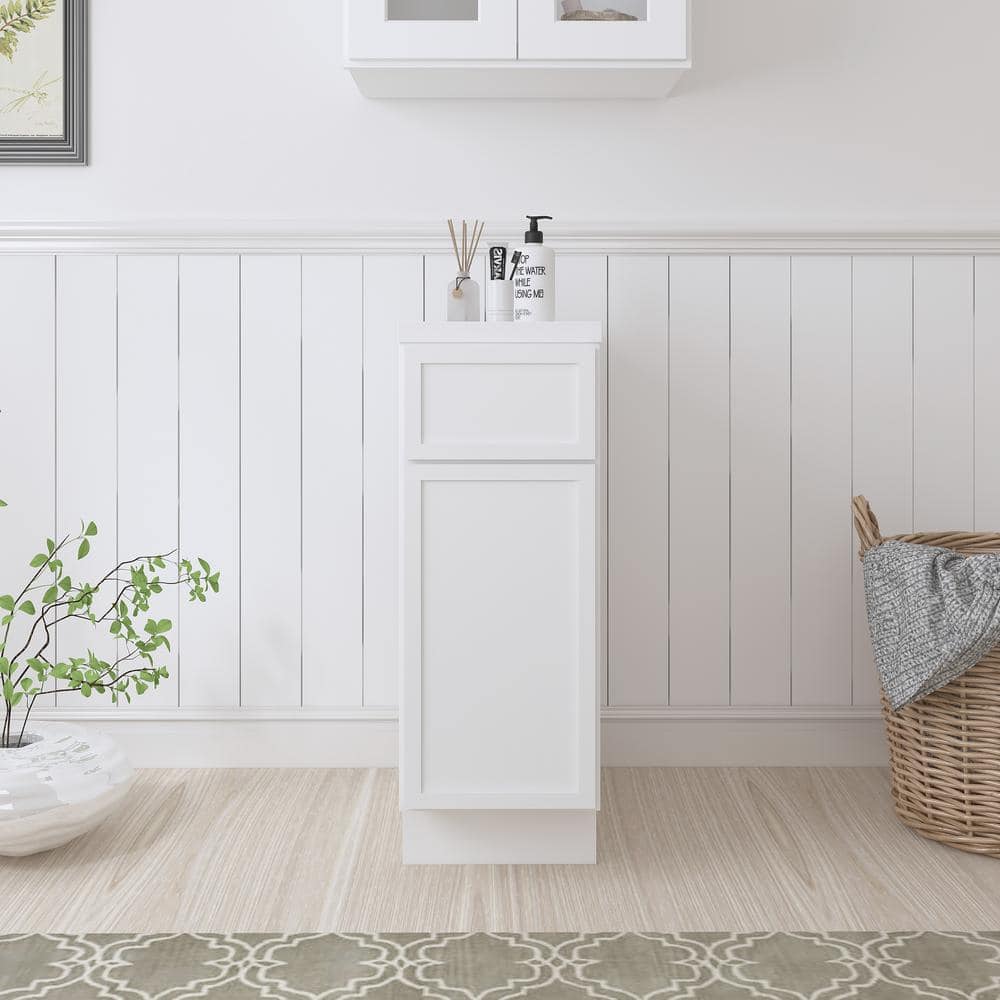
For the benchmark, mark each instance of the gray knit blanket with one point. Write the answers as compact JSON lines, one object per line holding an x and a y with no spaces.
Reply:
{"x":932,"y":613}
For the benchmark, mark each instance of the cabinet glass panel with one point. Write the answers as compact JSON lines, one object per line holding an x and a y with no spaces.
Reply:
{"x":432,"y":10}
{"x":597,"y":11}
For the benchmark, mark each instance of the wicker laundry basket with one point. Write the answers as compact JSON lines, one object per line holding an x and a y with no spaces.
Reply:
{"x":944,"y":750}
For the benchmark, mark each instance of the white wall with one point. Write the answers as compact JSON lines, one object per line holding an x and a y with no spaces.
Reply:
{"x":749,"y":394}
{"x":798,"y":114}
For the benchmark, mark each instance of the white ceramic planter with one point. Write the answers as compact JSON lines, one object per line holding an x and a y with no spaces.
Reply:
{"x":58,"y":787}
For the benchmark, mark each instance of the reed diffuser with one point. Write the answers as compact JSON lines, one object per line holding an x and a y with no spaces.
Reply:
{"x":463,"y":289}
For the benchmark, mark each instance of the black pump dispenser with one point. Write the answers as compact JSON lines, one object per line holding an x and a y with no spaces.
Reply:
{"x":534,"y":234}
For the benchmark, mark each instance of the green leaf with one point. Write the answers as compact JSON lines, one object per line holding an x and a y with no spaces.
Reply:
{"x":91,"y":529}
{"x":204,"y":565}
{"x":7,"y":602}
{"x":52,"y":594}
{"x":84,"y":548}
{"x":164,"y":625}
{"x":50,"y":545}
{"x":39,"y":560}
{"x":66,"y":583}
{"x":85,"y":689}
{"x":3,"y":503}
{"x":27,"y":607}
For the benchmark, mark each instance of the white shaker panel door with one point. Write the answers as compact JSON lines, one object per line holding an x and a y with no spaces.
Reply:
{"x":499,"y":634}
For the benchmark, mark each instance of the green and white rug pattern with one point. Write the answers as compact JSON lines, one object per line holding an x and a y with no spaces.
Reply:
{"x":612,"y":966}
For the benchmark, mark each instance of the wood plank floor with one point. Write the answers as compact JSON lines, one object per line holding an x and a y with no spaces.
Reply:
{"x":680,"y":849}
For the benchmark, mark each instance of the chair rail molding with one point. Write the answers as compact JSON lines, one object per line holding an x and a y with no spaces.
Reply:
{"x":580,"y":237}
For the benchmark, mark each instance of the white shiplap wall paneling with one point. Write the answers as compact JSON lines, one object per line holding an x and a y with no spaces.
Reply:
{"x":86,"y":434}
{"x":582,"y":294}
{"x":148,"y":510}
{"x":332,"y":465}
{"x":699,"y":480}
{"x":209,"y":387}
{"x":943,"y":386}
{"x":822,"y":525}
{"x":270,"y":504}
{"x":760,"y":525}
{"x":987,"y":393}
{"x":27,"y":424}
{"x":882,"y":424}
{"x":638,"y":503}
{"x":393,"y":292}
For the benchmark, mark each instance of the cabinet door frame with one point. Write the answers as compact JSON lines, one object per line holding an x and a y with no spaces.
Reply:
{"x":663,"y":36}
{"x":370,"y":35}
{"x":412,"y":795}
{"x":582,"y":358}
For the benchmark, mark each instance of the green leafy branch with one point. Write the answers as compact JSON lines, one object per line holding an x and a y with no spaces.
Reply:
{"x":19,"y":17}
{"x":51,"y":596}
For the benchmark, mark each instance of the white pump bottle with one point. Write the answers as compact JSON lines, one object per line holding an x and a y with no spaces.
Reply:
{"x":535,"y":278}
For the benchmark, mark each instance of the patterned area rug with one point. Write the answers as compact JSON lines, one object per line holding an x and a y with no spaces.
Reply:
{"x":616,"y":966}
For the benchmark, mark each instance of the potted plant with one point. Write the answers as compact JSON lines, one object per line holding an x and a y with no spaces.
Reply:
{"x":59,"y":780}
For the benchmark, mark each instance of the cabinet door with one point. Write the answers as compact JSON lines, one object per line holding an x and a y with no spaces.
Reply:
{"x":499,"y":691}
{"x":432,"y":29}
{"x":660,"y":31}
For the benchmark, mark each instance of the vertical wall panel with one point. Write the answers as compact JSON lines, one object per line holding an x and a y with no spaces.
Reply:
{"x":27,"y":428}
{"x":822,"y":526}
{"x":332,"y":514}
{"x":987,"y":393}
{"x":147,"y":431}
{"x":582,"y":294}
{"x":393,"y":292}
{"x":210,"y":474}
{"x":699,"y":480}
{"x":943,"y":386}
{"x":270,"y":443}
{"x":882,"y":424}
{"x":761,"y":607}
{"x":86,"y":436}
{"x":637,"y":514}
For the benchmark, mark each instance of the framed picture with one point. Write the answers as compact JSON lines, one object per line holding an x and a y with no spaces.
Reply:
{"x":43,"y":81}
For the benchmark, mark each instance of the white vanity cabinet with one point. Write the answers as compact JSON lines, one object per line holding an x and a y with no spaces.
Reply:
{"x":514,"y":48}
{"x":499,"y":591}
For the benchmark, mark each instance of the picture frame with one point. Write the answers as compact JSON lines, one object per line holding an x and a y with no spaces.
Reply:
{"x":43,"y":113}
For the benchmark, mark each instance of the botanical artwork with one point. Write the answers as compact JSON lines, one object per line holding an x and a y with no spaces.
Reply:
{"x":32,"y":56}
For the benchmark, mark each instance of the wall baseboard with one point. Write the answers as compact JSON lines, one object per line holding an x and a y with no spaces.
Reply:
{"x":366,"y":737}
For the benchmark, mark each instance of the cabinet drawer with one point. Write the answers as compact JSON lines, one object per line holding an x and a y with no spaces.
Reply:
{"x":499,"y":401}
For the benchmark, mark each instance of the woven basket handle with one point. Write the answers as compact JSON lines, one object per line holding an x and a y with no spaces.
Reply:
{"x":866,"y":525}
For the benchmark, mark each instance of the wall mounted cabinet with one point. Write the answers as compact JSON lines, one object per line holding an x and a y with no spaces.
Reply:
{"x":514,"y":49}
{"x":499,"y":592}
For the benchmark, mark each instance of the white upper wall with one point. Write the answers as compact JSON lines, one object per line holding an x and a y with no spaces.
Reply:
{"x":798,"y":114}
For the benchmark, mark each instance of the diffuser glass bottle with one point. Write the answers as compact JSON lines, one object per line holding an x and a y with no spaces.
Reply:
{"x":463,"y":302}
{"x":463,"y":299}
